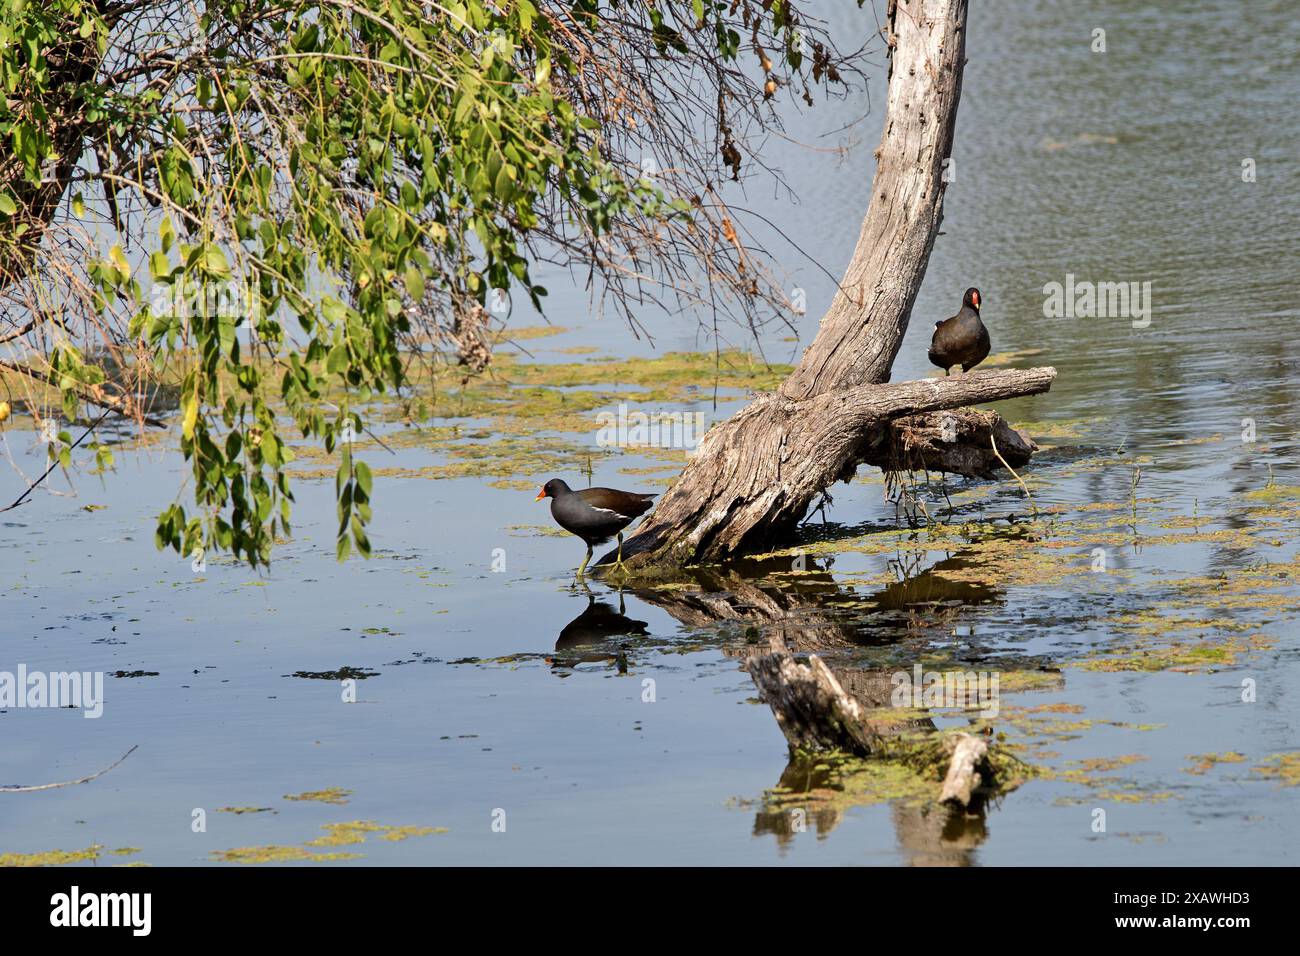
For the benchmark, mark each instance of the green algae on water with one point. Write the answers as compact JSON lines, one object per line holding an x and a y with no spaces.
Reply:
{"x":332,"y":795}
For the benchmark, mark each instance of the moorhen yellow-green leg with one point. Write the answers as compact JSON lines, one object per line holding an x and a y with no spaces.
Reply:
{"x":618,"y":560}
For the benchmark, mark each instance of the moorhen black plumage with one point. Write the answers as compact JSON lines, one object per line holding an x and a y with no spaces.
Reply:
{"x":594,"y":514}
{"x":961,"y":340}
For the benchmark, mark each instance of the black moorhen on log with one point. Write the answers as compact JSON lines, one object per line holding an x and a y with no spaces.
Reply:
{"x":594,"y":514}
{"x":961,"y":340}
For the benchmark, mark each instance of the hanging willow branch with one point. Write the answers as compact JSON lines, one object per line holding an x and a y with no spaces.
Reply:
{"x":228,"y":205}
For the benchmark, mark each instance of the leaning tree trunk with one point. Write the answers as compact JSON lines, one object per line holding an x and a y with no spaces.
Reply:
{"x":753,"y":477}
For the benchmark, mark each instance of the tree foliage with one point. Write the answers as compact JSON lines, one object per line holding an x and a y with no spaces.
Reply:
{"x":272,"y":210}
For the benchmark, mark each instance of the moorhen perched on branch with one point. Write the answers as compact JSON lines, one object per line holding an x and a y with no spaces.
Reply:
{"x":594,"y":514}
{"x":961,"y":340}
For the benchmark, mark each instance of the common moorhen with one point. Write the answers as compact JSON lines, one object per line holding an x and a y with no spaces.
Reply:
{"x":594,"y":514}
{"x":961,"y":340}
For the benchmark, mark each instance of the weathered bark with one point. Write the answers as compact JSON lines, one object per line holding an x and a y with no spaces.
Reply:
{"x":959,"y":442}
{"x":754,"y":476}
{"x":752,"y":479}
{"x":810,"y":707}
{"x":860,"y":336}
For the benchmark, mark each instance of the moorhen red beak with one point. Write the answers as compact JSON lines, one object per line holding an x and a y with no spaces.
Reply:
{"x":961,"y":340}
{"x":594,"y":514}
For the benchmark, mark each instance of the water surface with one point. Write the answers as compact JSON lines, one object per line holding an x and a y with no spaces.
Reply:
{"x":512,"y":691}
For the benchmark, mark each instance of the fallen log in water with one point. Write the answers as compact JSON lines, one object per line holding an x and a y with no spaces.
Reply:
{"x":969,"y":754}
{"x":811,"y":708}
{"x":816,"y":714}
{"x":752,"y":478}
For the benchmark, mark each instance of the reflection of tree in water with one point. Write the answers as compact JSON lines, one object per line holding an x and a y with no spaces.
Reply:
{"x":939,"y":836}
{"x":927,"y":836}
{"x":924,"y":599}
{"x":811,"y":613}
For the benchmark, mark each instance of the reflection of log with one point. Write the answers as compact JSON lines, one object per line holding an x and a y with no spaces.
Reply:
{"x":799,"y":613}
{"x":815,"y":713}
{"x":948,"y":837}
{"x":811,"y":708}
{"x":810,"y":612}
{"x":968,"y":755}
{"x":801,"y":775}
{"x":842,"y":706}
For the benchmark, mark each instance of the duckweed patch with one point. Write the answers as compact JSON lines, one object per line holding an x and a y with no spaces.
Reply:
{"x":52,"y":857}
{"x":1275,"y":493}
{"x":1207,"y":762}
{"x":1283,"y":768}
{"x":536,"y":531}
{"x":336,"y":796}
{"x":527,"y":333}
{"x":1178,"y":656}
{"x":276,"y":853}
{"x":356,"y":831}
{"x":845,"y":782}
{"x":522,"y":419}
{"x":1132,"y":793}
{"x":909,"y":770}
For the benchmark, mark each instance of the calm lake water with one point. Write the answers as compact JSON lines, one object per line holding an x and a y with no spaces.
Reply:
{"x":509,"y":695}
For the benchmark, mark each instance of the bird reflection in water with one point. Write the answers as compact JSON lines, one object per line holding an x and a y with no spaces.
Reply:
{"x":593,"y":628}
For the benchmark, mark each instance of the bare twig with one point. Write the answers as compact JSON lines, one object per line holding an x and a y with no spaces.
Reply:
{"x":53,"y":464}
{"x":70,"y":783}
{"x":1023,"y":486}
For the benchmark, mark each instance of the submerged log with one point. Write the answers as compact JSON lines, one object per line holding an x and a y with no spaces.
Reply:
{"x":810,"y":707}
{"x":964,"y":778}
{"x":755,"y":476}
{"x":816,"y":714}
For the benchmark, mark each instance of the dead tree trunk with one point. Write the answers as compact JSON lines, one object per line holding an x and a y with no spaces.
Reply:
{"x":810,"y":706}
{"x":754,"y":476}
